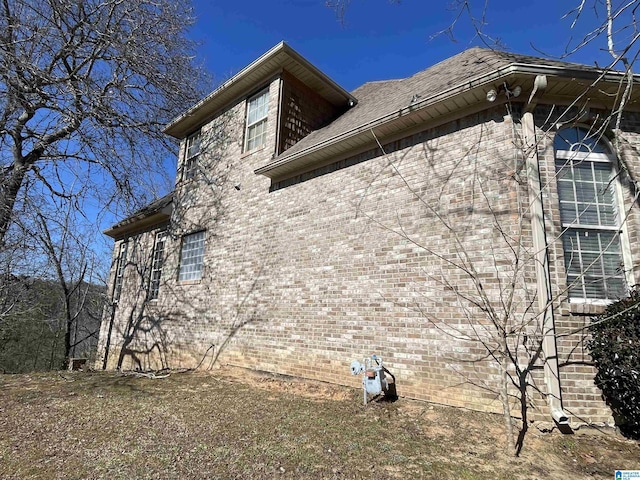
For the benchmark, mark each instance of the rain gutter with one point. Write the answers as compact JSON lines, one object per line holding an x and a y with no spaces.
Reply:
{"x":479,"y":81}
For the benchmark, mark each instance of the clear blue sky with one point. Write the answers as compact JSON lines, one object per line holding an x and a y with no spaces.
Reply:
{"x":379,"y":39}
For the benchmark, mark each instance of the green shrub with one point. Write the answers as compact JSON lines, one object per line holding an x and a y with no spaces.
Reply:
{"x":615,"y":349}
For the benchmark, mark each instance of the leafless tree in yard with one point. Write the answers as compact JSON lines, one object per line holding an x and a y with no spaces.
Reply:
{"x":74,"y":266}
{"x":86,"y":87}
{"x":502,"y":318}
{"x":51,"y":279}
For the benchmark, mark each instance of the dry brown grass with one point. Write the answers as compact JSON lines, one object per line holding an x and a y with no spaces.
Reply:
{"x":235,"y":424}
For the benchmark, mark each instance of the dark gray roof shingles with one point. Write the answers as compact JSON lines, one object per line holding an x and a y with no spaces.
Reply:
{"x":376,"y":99}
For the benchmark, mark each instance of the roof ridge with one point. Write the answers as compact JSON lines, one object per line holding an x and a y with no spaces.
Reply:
{"x":383,"y":81}
{"x":451,"y":59}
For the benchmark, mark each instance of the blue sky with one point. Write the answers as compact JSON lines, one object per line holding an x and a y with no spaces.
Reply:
{"x":379,"y":39}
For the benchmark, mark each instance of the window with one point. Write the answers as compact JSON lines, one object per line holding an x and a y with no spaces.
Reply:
{"x":120,"y":267}
{"x":257,"y":110}
{"x":157,"y":260}
{"x":192,"y":150}
{"x":588,"y":212}
{"x":191,"y":257}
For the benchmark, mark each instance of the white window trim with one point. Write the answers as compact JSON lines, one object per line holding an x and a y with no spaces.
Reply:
{"x":621,"y":227}
{"x":182,"y":258}
{"x":625,"y":244}
{"x":263,"y":119}
{"x":121,"y":266}
{"x":190,"y":163}
{"x":161,"y":236}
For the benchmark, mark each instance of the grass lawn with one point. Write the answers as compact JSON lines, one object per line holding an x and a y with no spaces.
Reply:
{"x":236,"y":424}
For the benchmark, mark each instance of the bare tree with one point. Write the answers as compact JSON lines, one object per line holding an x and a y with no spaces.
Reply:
{"x":85,"y":89}
{"x":491,"y":278}
{"x":599,"y":25}
{"x":73,"y":263}
{"x":51,"y":292}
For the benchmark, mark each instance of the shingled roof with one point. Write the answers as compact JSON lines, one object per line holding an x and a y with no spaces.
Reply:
{"x":383,"y":101}
{"x":378,"y":98}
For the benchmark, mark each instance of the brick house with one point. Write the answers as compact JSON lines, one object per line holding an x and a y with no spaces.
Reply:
{"x":415,"y":219}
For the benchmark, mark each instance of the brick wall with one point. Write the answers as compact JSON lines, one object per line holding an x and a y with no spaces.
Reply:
{"x":370,"y":255}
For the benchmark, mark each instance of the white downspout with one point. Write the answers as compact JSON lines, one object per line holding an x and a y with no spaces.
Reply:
{"x":543,"y":277}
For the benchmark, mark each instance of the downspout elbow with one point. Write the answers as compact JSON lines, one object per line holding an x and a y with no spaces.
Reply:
{"x":539,"y":86}
{"x":559,"y":416}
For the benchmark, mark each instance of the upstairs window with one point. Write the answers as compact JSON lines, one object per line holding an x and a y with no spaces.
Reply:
{"x":589,"y":216}
{"x":192,"y":151}
{"x":157,"y":261}
{"x":257,"y":112}
{"x":120,"y":268}
{"x":191,"y":257}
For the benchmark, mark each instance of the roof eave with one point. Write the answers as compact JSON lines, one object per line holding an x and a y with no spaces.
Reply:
{"x":282,"y":165}
{"x":139,"y":222}
{"x":267,"y":65}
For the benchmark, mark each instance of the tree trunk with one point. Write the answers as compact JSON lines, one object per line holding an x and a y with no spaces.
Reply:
{"x":37,"y":355}
{"x":506,"y":408}
{"x":11,"y":182}
{"x":68,"y":317}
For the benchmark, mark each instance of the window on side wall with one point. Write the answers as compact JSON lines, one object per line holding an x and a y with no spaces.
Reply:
{"x":157,"y":261}
{"x":192,"y":151}
{"x":120,"y":268}
{"x":589,"y":215}
{"x":191,"y":257}
{"x":257,"y":112}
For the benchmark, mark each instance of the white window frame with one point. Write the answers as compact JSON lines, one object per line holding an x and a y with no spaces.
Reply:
{"x":574,"y":227}
{"x":192,"y":257}
{"x":121,"y":266}
{"x":192,"y":150}
{"x":157,"y":262}
{"x":254,"y":124}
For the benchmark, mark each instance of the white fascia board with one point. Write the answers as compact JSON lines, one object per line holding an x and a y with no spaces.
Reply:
{"x":237,"y":85}
{"x":482,"y":80}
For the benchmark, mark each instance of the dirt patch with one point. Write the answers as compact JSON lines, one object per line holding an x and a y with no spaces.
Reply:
{"x":285,"y":384}
{"x":233,"y":423}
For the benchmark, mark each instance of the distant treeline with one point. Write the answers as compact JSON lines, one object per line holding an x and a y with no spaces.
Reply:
{"x":33,"y":323}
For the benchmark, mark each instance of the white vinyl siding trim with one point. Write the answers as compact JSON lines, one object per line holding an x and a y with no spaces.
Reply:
{"x":590,"y":223}
{"x":257,"y":114}
{"x":191,"y":257}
